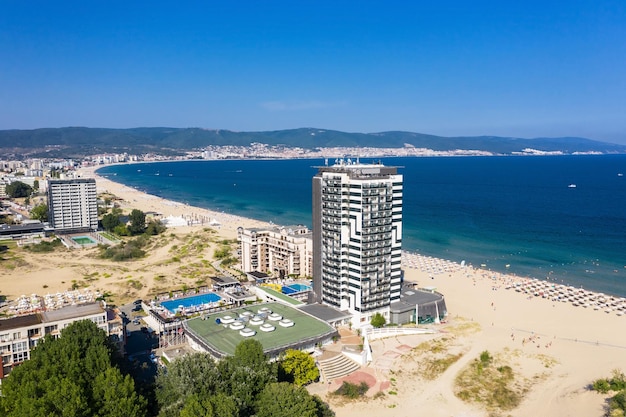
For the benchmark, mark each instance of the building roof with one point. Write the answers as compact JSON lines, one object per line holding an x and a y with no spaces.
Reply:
{"x":410,"y":298}
{"x":225,"y":280}
{"x":9,"y":229}
{"x":72,"y":181}
{"x":324,"y":312}
{"x":71,"y":312}
{"x":19,"y":322}
{"x":258,"y":275}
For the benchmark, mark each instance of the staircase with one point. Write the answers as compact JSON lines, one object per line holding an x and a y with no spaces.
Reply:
{"x":337,"y":366}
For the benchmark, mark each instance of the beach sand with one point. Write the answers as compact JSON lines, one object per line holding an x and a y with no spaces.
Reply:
{"x":558,"y":348}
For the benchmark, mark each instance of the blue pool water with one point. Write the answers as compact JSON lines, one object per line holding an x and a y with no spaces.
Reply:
{"x":294,"y":288}
{"x":196,"y":300}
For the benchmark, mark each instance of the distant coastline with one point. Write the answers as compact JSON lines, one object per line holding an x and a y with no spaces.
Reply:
{"x":80,"y":142}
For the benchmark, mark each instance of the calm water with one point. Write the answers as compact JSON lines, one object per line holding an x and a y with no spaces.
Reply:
{"x":497,"y":211}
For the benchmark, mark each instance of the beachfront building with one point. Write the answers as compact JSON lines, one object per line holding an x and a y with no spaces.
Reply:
{"x":280,"y":251}
{"x":72,"y":205}
{"x":20,"y":334}
{"x":357,"y":238}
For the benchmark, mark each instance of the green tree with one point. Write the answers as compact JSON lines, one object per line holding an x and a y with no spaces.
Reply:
{"x":155,"y":227}
{"x":137,"y":222}
{"x":218,"y":405}
{"x":36,"y":185}
{"x":300,"y":366}
{"x":378,"y":320}
{"x":18,"y":189}
{"x":190,"y":375}
{"x":249,"y":353}
{"x":282,"y":399}
{"x":40,"y":212}
{"x":246,"y":373}
{"x":110,"y":221}
{"x":71,"y":376}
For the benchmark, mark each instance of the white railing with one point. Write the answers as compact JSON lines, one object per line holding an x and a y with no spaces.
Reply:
{"x":383,"y":332}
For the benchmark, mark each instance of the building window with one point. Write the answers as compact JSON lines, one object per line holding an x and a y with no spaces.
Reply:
{"x":50,"y":329}
{"x":19,"y":347}
{"x":20,"y":357}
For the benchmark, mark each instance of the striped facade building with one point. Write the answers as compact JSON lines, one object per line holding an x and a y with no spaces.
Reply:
{"x":357,"y":238}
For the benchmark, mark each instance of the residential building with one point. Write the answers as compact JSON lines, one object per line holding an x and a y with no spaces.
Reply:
{"x":357,"y":238}
{"x":280,"y":251}
{"x":20,"y":334}
{"x":72,"y":205}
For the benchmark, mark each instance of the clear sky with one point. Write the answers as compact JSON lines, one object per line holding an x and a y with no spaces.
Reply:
{"x":524,"y":68}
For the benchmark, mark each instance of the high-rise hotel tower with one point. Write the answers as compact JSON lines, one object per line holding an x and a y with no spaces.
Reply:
{"x":72,"y":205}
{"x":357,"y":238}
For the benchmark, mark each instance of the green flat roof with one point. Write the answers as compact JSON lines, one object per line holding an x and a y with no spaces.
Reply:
{"x":224,"y":339}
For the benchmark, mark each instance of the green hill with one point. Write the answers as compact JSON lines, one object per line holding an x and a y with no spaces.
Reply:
{"x":77,"y":142}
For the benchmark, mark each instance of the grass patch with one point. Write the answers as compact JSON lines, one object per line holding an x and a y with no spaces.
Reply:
{"x":133,"y":283}
{"x":44,"y":246}
{"x":133,"y":249}
{"x":463,"y":327}
{"x":491,"y":383}
{"x":433,"y":357}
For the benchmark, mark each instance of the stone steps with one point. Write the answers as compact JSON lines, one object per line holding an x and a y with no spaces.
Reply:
{"x":337,"y":367}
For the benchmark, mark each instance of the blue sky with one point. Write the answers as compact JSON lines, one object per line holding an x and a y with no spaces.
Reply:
{"x":510,"y":68}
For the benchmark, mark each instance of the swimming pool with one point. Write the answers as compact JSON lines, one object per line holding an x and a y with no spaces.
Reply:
{"x":84,"y":240}
{"x":190,"y":302}
{"x":294,"y":288}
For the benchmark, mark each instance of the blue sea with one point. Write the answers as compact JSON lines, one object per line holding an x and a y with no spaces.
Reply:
{"x":521,"y":215}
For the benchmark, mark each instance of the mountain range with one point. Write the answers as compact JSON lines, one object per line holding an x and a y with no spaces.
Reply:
{"x":77,"y":142}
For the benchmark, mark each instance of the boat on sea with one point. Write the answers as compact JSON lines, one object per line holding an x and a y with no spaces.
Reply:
{"x":571,"y":186}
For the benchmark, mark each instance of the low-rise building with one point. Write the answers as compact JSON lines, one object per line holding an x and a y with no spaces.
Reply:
{"x":20,"y":334}
{"x":281,"y":251}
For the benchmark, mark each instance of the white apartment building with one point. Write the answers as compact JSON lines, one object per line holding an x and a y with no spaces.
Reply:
{"x":357,"y":238}
{"x":20,"y":334}
{"x":72,"y":205}
{"x":280,"y":251}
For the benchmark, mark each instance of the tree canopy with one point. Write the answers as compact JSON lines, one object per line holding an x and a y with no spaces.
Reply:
{"x":241,"y":385}
{"x":73,"y":375}
{"x":18,"y":189}
{"x":300,"y":366}
{"x":110,"y":221}
{"x":285,"y":400}
{"x":40,"y":212}
{"x":137,"y":222}
{"x":378,"y":320}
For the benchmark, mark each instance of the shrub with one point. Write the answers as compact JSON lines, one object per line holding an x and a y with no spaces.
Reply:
{"x":350,"y":390}
{"x":43,"y":247}
{"x":125,"y":251}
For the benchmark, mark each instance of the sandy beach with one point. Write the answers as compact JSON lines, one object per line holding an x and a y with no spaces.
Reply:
{"x":556,"y":347}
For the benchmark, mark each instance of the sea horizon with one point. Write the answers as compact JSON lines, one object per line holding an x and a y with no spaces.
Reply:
{"x":559,"y":218}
